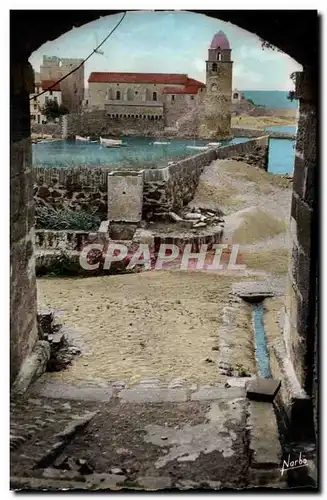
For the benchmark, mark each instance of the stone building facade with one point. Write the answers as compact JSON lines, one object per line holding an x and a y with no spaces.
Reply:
{"x":174,"y":98}
{"x":163,"y":96}
{"x":37,"y":102}
{"x":72,"y":87}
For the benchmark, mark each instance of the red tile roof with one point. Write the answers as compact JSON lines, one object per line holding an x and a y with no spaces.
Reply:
{"x":45,"y":84}
{"x":192,"y":87}
{"x":160,"y":78}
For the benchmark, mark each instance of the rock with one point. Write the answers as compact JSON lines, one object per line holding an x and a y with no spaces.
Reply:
{"x":116,"y":470}
{"x":84,"y":467}
{"x":200,"y":224}
{"x":193,"y":216}
{"x":175,"y":217}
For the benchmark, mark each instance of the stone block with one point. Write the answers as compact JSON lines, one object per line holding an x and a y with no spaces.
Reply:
{"x":153,"y":395}
{"x":253,"y":291}
{"x":264,"y":436}
{"x":213,"y":393}
{"x":125,"y":198}
{"x":261,"y":389}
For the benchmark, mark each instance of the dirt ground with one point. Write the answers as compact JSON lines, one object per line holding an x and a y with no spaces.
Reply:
{"x":157,"y":323}
{"x":262,"y":121}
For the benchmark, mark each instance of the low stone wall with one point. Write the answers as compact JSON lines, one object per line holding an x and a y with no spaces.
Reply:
{"x":54,"y":129}
{"x":80,"y":188}
{"x":255,"y":132}
{"x":165,"y":189}
{"x":172,"y":187}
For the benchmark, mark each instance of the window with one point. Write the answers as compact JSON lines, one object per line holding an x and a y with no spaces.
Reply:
{"x":118,"y":95}
{"x":154,"y":96}
{"x":55,"y":99}
{"x":136,"y":92}
{"x":33,"y":117}
{"x":35,"y":105}
{"x":172,"y":98}
{"x":132,"y":116}
{"x":34,"y":98}
{"x":235,"y":96}
{"x":50,"y":92}
{"x":38,"y":118}
{"x":192,"y":97}
{"x":219,"y":56}
{"x":214,"y":67}
{"x":128,"y":116}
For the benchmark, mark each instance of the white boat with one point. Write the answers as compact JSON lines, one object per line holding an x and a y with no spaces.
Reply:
{"x":160,"y":142}
{"x":214,"y":144}
{"x":201,"y":148}
{"x":111,"y":143}
{"x":80,"y":138}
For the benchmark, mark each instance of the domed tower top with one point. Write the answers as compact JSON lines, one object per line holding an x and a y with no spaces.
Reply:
{"x":219,"y":49}
{"x":220,"y":41}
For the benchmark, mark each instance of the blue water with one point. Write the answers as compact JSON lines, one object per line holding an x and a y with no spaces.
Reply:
{"x":140,"y":152}
{"x":283,"y":128}
{"x":262,"y":354}
{"x":281,"y":156}
{"x":270,"y":98}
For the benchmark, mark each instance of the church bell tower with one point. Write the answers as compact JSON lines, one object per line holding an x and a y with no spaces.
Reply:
{"x":216,"y":120}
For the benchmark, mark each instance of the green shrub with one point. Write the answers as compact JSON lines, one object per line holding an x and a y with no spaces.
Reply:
{"x":47,"y":217}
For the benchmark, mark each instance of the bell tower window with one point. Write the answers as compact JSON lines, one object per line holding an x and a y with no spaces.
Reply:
{"x":154,"y":96}
{"x":214,"y":67}
{"x":118,"y":95}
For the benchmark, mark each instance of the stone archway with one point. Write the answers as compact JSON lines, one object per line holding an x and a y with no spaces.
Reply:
{"x":283,"y":29}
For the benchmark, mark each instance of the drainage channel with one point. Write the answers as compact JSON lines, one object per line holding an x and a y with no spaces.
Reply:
{"x":262,"y":353}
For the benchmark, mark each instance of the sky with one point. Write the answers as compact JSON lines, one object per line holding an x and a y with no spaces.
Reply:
{"x":171,"y":42}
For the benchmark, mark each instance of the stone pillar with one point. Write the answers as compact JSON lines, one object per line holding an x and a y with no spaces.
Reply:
{"x":23,"y":307}
{"x":299,"y":329}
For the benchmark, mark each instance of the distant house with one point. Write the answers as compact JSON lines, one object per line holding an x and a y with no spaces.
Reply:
{"x":37,"y":102}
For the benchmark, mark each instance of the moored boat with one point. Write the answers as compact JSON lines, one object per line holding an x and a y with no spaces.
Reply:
{"x":201,"y":148}
{"x":111,"y":143}
{"x":80,"y":138}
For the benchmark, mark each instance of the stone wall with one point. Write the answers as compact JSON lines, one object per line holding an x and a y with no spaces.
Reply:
{"x":299,"y":337}
{"x":256,"y":132}
{"x":98,"y":123}
{"x":23,"y":310}
{"x":300,"y":307}
{"x":168,"y":188}
{"x":79,"y":188}
{"x":52,"y":128}
{"x":172,"y":187}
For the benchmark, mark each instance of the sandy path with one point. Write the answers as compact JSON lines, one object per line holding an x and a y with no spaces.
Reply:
{"x":158,"y":323}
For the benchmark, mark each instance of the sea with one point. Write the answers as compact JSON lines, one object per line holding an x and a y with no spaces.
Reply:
{"x":143,"y":152}
{"x":271,"y":98}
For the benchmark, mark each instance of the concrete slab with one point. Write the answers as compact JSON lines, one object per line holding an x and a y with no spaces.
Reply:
{"x":262,"y":389}
{"x":212,"y":393}
{"x":73,"y":392}
{"x":125,"y":196}
{"x":253,"y":291}
{"x":264,"y":436}
{"x":152,"y":395}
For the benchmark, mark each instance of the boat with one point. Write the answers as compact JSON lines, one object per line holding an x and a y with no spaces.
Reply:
{"x":80,"y":138}
{"x":111,"y":143}
{"x":214,"y":144}
{"x":160,"y":142}
{"x":201,"y":148}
